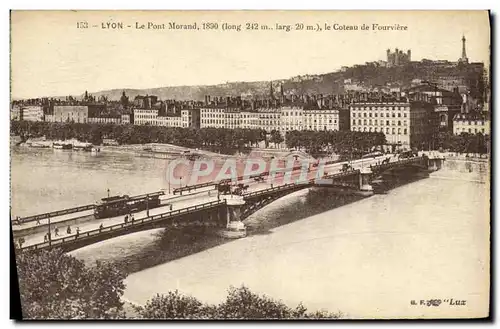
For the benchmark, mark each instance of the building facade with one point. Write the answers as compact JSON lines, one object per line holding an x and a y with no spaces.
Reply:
{"x":190,"y":118}
{"x":471,"y":123}
{"x":145,"y":117}
{"x":15,"y":113}
{"x":269,"y":117}
{"x":31,"y":113}
{"x":106,"y":120}
{"x":402,"y":122}
{"x":71,"y":113}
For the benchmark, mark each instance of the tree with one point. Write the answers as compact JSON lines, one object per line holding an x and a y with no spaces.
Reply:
{"x":240,"y":303}
{"x":276,"y":138}
{"x":175,"y":306}
{"x":54,"y":285}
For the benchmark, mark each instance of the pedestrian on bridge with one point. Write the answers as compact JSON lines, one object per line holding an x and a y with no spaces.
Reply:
{"x":132,"y":218}
{"x":56,"y":231}
{"x":77,"y":232}
{"x":21,"y":242}
{"x":68,"y":230}
{"x":126,"y":219}
{"x":38,"y":222}
{"x":171,"y":207}
{"x":101,"y":227}
{"x":45,"y":238}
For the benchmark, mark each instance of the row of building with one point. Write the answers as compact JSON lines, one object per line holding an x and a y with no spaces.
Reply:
{"x":406,"y":118}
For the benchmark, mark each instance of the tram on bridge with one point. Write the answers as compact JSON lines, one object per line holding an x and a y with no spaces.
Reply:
{"x":122,"y":205}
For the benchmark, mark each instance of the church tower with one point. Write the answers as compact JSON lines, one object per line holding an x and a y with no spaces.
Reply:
{"x":464,"y":58}
{"x":271,"y":91}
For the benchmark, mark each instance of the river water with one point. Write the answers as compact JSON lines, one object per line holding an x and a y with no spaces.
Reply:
{"x":364,"y":257}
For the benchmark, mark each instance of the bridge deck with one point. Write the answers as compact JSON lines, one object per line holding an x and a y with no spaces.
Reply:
{"x":57,"y":213}
{"x":62,"y":213}
{"x":124,"y":226}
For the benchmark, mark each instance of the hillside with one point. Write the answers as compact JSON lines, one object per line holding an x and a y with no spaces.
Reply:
{"x":370,"y":74}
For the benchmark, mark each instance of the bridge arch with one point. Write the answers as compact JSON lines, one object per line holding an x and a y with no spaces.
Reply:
{"x":256,"y":201}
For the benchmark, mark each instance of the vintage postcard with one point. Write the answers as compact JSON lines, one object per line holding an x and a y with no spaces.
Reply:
{"x":250,"y":164}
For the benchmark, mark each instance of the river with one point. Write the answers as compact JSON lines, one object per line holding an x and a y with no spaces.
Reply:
{"x":366,"y":258}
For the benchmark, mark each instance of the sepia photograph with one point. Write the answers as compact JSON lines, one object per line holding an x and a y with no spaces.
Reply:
{"x":250,"y":164}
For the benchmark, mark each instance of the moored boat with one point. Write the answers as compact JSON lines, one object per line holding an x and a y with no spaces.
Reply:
{"x":82,"y":147}
{"x":62,"y":146}
{"x":40,"y":144}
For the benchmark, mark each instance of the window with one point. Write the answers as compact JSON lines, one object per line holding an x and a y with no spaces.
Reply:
{"x":406,"y":131}
{"x":387,"y":122}
{"x":393,"y":131}
{"x":399,"y":123}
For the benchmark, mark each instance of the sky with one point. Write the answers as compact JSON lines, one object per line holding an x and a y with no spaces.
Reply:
{"x":50,"y":56}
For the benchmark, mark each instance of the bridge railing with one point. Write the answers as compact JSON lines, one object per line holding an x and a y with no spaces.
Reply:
{"x":239,"y":178}
{"x":395,"y":163}
{"x":198,"y":186}
{"x":294,"y":185}
{"x":116,"y":227}
{"x":342,"y":174}
{"x":29,"y":219}
{"x":54,"y":214}
{"x":276,"y":188}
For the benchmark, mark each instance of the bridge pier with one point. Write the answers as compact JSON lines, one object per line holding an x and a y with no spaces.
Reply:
{"x":434,"y":163}
{"x":364,"y":182}
{"x":234,"y":226}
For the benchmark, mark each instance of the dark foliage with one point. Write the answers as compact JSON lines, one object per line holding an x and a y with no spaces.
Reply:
{"x":54,"y":285}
